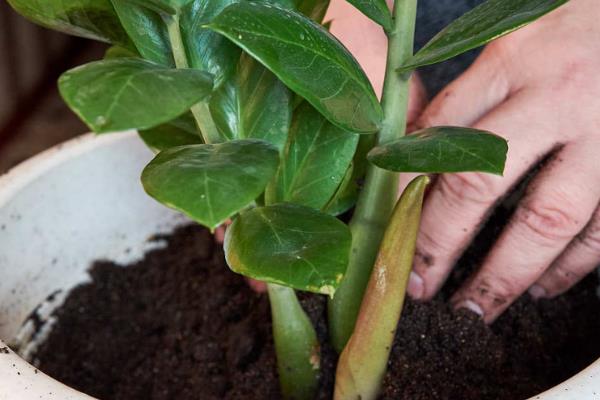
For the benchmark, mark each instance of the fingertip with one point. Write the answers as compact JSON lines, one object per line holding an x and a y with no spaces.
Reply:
{"x":537,"y":292}
{"x":416,"y":286}
{"x":257,"y":286}
{"x":220,"y":234}
{"x":471,"y":306}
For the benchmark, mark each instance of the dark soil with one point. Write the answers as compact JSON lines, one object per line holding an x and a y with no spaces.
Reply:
{"x":179,"y":325}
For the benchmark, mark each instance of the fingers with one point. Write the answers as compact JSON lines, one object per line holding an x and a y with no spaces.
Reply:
{"x":257,"y":286}
{"x":469,"y":97}
{"x":362,"y":37}
{"x":558,"y":205}
{"x":581,"y":257}
{"x":220,"y":234}
{"x":458,"y":203}
{"x":417,"y":101}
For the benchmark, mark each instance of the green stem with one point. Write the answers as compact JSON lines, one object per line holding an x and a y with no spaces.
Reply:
{"x":363,"y":363}
{"x":296,"y":345}
{"x":378,"y":196}
{"x":200,"y":111}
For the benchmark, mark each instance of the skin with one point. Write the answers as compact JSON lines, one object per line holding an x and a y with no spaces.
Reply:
{"x":538,"y":88}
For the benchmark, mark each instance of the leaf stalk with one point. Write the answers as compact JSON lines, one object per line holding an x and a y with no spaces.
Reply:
{"x":200,"y":111}
{"x":296,"y":345}
{"x":379,"y":193}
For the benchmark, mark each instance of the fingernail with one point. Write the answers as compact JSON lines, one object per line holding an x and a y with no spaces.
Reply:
{"x":470,"y":305}
{"x":537,"y":292}
{"x":415,"y":288}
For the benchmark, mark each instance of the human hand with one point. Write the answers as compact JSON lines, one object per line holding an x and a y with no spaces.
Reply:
{"x":539,"y":88}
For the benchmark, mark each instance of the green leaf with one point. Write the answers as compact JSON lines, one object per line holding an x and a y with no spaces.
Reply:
{"x":377,"y":10}
{"x":129,"y":93}
{"x":484,"y":23}
{"x":346,"y":195}
{"x":179,"y":132}
{"x":207,"y":50}
{"x":253,"y":104}
{"x":147,"y":31}
{"x":443,"y":149}
{"x":308,"y":59}
{"x":314,"y":162}
{"x":119,"y":52}
{"x":92,"y":19}
{"x":291,"y":245}
{"x":211,"y":182}
{"x":170,"y":7}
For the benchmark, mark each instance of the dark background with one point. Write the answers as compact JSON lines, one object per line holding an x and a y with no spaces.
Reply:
{"x":32,"y":114}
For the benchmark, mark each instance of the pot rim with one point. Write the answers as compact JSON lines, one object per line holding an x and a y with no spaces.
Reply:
{"x":21,"y":380}
{"x":29,"y":170}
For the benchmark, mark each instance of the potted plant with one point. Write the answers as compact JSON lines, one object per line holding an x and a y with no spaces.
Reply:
{"x":259,"y":115}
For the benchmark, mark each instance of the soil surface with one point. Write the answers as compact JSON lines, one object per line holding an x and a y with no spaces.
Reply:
{"x":179,"y":325}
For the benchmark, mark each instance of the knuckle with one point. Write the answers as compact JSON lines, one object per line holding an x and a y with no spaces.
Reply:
{"x":590,"y":239}
{"x":574,"y":74}
{"x":548,"y":221}
{"x":468,"y":187}
{"x":435,"y":245}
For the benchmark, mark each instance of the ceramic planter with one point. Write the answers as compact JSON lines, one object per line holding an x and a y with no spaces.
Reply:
{"x":77,"y":203}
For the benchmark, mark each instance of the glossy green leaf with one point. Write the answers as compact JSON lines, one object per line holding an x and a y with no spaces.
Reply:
{"x":92,"y":19}
{"x":286,"y":4}
{"x":443,"y":149}
{"x":210,"y":183}
{"x":147,"y":31}
{"x":314,"y":162}
{"x":345,"y":196}
{"x":207,"y":50}
{"x":290,"y":245}
{"x":179,"y":132}
{"x":307,"y":59}
{"x":377,"y":10}
{"x":129,"y":93}
{"x":484,"y":23}
{"x":253,"y":104}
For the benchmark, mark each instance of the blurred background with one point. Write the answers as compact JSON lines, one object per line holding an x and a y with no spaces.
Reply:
{"x":32,"y":114}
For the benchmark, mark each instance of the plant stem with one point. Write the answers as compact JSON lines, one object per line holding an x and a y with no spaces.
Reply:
{"x":378,"y":195}
{"x":296,"y":345}
{"x":364,"y":361}
{"x":200,"y":111}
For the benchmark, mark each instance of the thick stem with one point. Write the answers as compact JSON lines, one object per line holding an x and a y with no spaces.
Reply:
{"x":377,"y":198}
{"x":200,"y":111}
{"x":296,"y":345}
{"x":364,"y":361}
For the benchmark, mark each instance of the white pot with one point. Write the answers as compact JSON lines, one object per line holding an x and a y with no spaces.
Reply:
{"x":77,"y":203}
